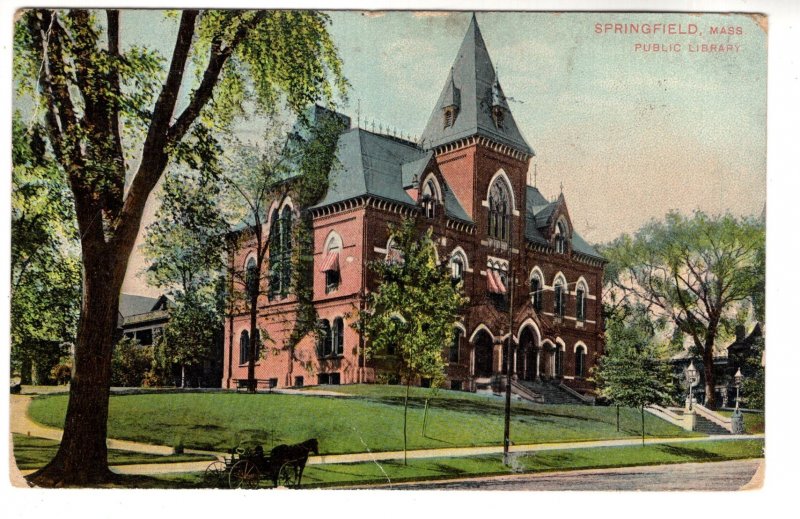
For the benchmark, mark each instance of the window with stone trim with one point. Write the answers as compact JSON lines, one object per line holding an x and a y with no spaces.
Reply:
{"x":580,"y":303}
{"x":536,"y":291}
{"x":455,"y":346}
{"x":499,"y":210}
{"x":558,"y":298}
{"x":244,"y":347}
{"x":580,"y":362}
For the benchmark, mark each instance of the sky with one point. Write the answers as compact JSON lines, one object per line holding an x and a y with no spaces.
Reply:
{"x":630,"y":135}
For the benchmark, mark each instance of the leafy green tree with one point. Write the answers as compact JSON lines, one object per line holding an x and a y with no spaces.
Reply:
{"x":633,"y":371}
{"x":45,"y":268}
{"x":409,"y":317}
{"x":115,"y":118}
{"x":754,"y":383}
{"x":130,"y":363}
{"x":696,"y":271}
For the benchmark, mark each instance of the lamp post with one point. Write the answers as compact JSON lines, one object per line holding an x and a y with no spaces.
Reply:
{"x":692,"y":379}
{"x":737,"y":420}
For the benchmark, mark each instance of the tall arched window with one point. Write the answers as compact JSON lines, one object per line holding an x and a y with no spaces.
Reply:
{"x":324,"y":339}
{"x":274,"y":255}
{"x":558,"y":298}
{"x":580,"y":361}
{"x":560,"y":362}
{"x":251,"y":278}
{"x":338,"y":337}
{"x":286,"y":248}
{"x":499,"y":210}
{"x":580,"y":302}
{"x":244,"y":347}
{"x":561,"y":237}
{"x":455,"y":346}
{"x":536,"y":291}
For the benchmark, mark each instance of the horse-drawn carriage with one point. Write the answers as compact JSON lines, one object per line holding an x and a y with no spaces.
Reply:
{"x":246,"y":467}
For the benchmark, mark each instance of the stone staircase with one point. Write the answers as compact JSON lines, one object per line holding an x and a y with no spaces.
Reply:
{"x":708,"y":427}
{"x":551,"y":392}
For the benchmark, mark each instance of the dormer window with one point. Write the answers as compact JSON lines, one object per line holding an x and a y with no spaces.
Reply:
{"x":449,"y":116}
{"x":497,"y":116}
{"x":430,"y":198}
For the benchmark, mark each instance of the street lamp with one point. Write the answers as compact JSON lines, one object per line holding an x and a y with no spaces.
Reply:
{"x":692,"y":379}
{"x":737,"y":380}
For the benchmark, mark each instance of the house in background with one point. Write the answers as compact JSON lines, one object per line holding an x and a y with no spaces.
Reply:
{"x":466,"y":179}
{"x":143,"y":318}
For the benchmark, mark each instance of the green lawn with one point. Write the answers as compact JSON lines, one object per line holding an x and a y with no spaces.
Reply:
{"x":445,"y":468}
{"x":571,"y":459}
{"x":753,"y":422}
{"x":34,"y":453}
{"x":372,"y":419}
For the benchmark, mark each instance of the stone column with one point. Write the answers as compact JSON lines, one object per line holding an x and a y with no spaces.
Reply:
{"x":538,"y":365}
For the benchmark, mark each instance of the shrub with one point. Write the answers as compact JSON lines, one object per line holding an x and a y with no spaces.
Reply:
{"x":130,"y":363}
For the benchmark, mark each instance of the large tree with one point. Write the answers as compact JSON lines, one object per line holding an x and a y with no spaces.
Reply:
{"x":45,"y":269}
{"x":114,"y":113}
{"x":408,"y":320}
{"x":700,"y":272}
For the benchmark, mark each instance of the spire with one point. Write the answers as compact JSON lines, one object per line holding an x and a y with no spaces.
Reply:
{"x":473,"y":87}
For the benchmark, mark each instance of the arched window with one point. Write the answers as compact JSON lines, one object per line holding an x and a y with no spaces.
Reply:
{"x":338,"y":337}
{"x":286,"y":249}
{"x":274,"y":255}
{"x":251,"y":277}
{"x":324,"y":339}
{"x":457,"y":267}
{"x":499,"y":210}
{"x":536,"y":291}
{"x":580,"y":361}
{"x":455,"y":346}
{"x":393,"y":254}
{"x":580,"y":302}
{"x":558,"y":298}
{"x":244,"y":347}
{"x":561,"y":237}
{"x":430,"y":198}
{"x":330,"y":265}
{"x":560,"y":362}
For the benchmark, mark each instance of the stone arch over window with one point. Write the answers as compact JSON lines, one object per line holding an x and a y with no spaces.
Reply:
{"x":458,"y":264}
{"x":330,"y":261}
{"x":561,"y":348}
{"x":333,"y":241}
{"x":393,"y":254}
{"x":478,"y":329}
{"x":531,"y":324}
{"x":536,"y":287}
{"x":501,"y":204}
{"x":431,"y":197}
{"x":503,"y":177}
{"x":560,"y":288}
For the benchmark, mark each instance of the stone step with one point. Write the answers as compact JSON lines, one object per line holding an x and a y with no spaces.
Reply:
{"x":708,"y":427}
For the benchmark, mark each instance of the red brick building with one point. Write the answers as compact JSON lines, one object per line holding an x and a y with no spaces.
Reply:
{"x":467,"y":179}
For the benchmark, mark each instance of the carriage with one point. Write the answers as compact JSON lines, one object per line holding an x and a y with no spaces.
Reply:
{"x":246,"y":467}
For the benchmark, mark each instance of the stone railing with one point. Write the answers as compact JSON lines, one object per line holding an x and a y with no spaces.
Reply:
{"x":713,"y":417}
{"x":684,"y":421}
{"x":583,"y":398}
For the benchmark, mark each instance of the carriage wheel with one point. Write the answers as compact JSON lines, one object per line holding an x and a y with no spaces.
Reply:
{"x":214,"y":476}
{"x":289,"y":475}
{"x":244,"y":474}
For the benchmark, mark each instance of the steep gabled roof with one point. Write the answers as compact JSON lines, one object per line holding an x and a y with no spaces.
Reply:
{"x":130,"y":304}
{"x":470,"y":83}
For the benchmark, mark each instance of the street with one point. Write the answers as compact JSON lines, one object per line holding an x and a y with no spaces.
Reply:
{"x":714,"y":476}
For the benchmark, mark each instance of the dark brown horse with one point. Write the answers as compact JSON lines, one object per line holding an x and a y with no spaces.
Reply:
{"x":294,"y":457}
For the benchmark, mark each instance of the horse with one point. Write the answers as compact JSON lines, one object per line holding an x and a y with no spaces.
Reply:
{"x":296,"y":455}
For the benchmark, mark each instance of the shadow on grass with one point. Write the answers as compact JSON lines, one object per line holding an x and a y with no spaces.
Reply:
{"x":694,"y":454}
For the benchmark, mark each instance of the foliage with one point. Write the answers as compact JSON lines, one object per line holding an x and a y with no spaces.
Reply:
{"x":408,"y":320}
{"x":45,"y":273}
{"x":754,"y":383}
{"x":697,"y":271}
{"x":130,"y":363}
{"x":115,"y":118}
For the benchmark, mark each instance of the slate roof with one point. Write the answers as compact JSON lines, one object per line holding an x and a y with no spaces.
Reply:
{"x":376,"y":165}
{"x":471,"y":82}
{"x":537,"y":215}
{"x":130,"y":304}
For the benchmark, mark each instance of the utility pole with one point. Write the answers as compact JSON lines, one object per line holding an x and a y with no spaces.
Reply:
{"x":511,"y":283}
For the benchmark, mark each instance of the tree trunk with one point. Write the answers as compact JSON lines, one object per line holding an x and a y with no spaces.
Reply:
{"x":405,"y":422}
{"x":82,"y":457}
{"x":708,"y":370}
{"x":642,"y":410}
{"x":617,"y":417}
{"x":254,"y":338}
{"x":183,"y":376}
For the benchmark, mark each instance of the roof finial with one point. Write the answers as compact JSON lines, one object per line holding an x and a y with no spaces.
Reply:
{"x":535,"y":174}
{"x":562,"y":187}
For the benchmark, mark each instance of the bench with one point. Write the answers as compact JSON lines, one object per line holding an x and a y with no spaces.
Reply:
{"x":244,"y":383}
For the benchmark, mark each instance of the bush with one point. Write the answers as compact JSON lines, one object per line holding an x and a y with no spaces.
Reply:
{"x":61,"y":373}
{"x":130,"y":363}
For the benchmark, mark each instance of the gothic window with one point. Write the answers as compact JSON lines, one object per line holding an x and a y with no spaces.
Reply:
{"x":244,"y":347}
{"x":338,"y":337}
{"x":580,"y":302}
{"x":558,"y":299}
{"x":286,"y":249}
{"x":454,"y":347}
{"x":499,"y":210}
{"x":429,"y":199}
{"x":580,"y":361}
{"x":561,"y":237}
{"x":274,"y":255}
{"x":251,"y":278}
{"x":324,"y":339}
{"x":449,"y":116}
{"x":393,"y":254}
{"x":559,"y":362}
{"x":457,"y":268}
{"x":536,"y":291}
{"x":330,"y":263}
